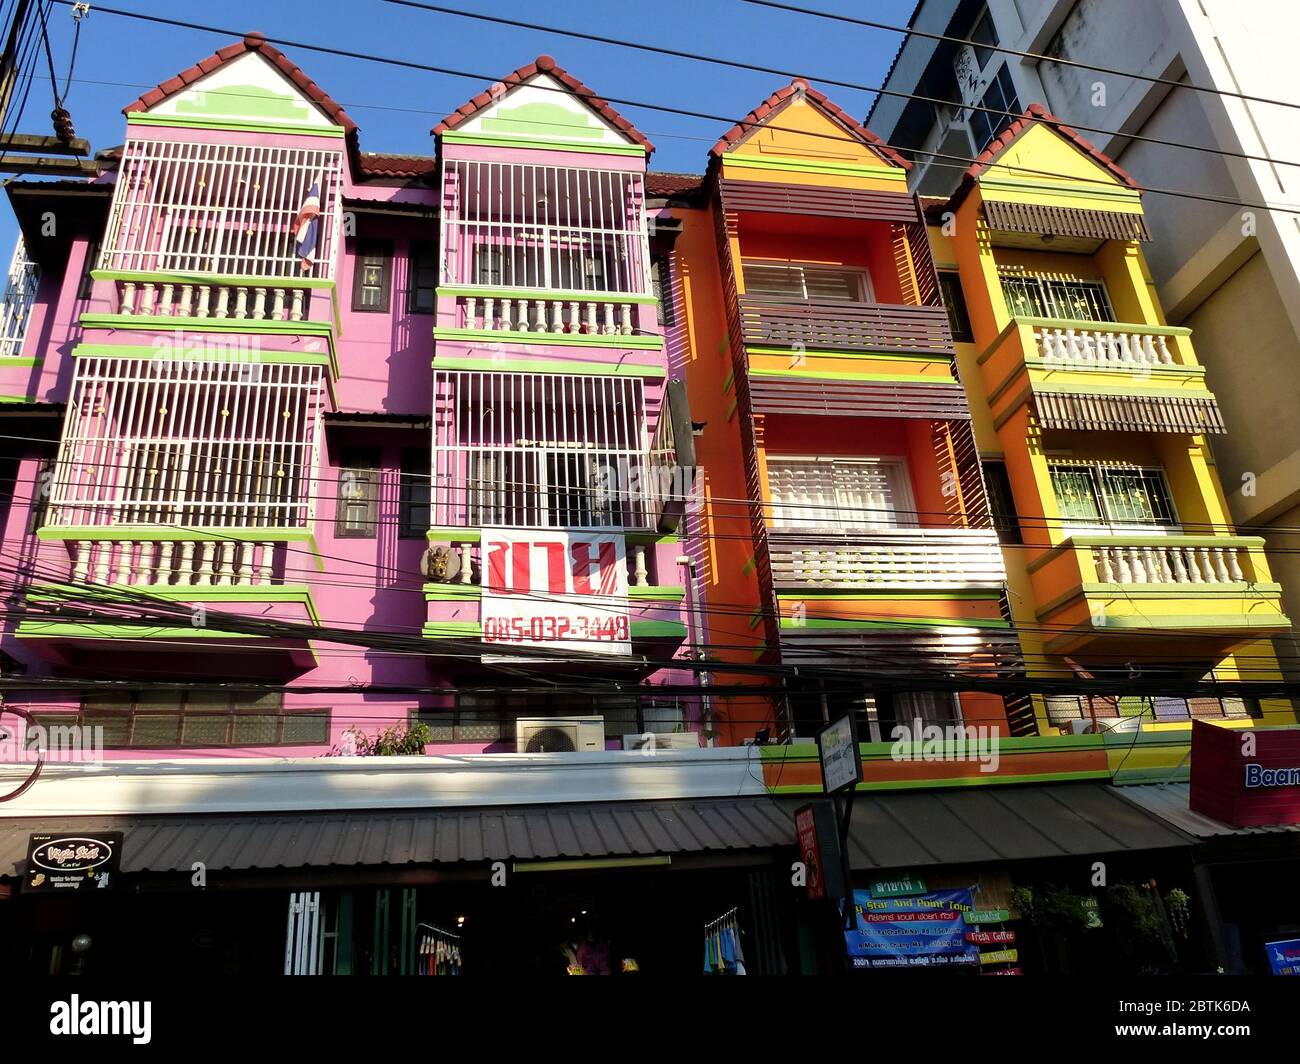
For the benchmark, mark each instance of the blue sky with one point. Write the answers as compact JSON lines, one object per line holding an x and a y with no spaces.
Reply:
{"x":118,"y":58}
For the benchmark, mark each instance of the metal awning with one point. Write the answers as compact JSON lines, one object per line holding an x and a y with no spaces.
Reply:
{"x":775,"y":197}
{"x":1128,"y":413}
{"x":938,"y":401}
{"x":1043,"y":220}
{"x":1171,"y":803}
{"x":889,"y":830}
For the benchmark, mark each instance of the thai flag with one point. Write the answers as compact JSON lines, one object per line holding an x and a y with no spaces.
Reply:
{"x":307,"y":228}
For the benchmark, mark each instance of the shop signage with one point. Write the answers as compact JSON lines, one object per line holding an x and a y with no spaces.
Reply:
{"x":1246,"y":777}
{"x":1005,"y":971}
{"x":987,"y":916}
{"x":819,"y":847}
{"x":913,"y":931}
{"x":837,"y":746}
{"x":988,"y":938}
{"x":1002,"y":956}
{"x":1284,"y":956}
{"x":71,"y":861}
{"x":889,"y":888}
{"x":1091,"y":911}
{"x":562,"y":590}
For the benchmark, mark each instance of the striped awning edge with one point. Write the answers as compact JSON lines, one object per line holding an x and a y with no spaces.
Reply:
{"x":1064,"y":221}
{"x":1128,"y":413}
{"x":940,"y":401}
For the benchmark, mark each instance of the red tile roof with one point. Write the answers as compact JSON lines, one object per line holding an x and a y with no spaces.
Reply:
{"x":836,"y":113}
{"x":544,"y":64}
{"x":1037,"y":113}
{"x":380,"y":164}
{"x":661,"y":183}
{"x":252,"y":42}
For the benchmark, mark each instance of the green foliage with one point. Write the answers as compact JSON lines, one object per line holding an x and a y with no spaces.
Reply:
{"x":1052,"y":909}
{"x":1140,"y":928}
{"x":393,"y":741}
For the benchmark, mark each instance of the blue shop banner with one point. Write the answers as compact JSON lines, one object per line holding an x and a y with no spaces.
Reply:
{"x":1284,"y":957}
{"x":914,"y":931}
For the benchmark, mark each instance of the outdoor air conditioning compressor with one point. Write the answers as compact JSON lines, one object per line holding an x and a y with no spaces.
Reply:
{"x":557,"y":735}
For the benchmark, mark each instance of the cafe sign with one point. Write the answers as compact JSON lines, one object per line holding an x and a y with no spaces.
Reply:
{"x":72,"y":861}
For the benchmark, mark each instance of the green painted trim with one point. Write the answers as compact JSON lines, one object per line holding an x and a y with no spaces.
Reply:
{"x":1124,"y":777}
{"x":1135,"y":390}
{"x":249,"y":125}
{"x":657,"y":630}
{"x":1138,"y":373}
{"x":650,"y":537}
{"x":168,"y":534}
{"x":452,"y":137}
{"x":663,"y":593}
{"x":545,"y":294}
{"x":539,"y":365}
{"x":828,"y":375}
{"x":456,"y":535}
{"x":824,"y":352}
{"x":983,"y":780}
{"x":451,"y":591}
{"x":1181,"y":622}
{"x":896,"y":623}
{"x":25,"y":362}
{"x":17,"y":399}
{"x":1038,"y":187}
{"x":299,"y":593}
{"x":1104,"y":326}
{"x":452,"y":630}
{"x":647,"y":343}
{"x":134,"y":323}
{"x":867,"y":595}
{"x":301,"y":358}
{"x":223,"y":279}
{"x":811,"y":166}
{"x":1007,"y":744}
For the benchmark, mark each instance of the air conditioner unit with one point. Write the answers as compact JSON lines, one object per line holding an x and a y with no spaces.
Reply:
{"x":662,"y":741}
{"x":1105,"y":724}
{"x":559,"y":735}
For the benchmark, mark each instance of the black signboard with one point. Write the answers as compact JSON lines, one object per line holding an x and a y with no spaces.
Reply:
{"x":71,"y":861}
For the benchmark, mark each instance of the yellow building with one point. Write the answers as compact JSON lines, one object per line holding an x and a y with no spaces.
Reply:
{"x":1095,"y":420}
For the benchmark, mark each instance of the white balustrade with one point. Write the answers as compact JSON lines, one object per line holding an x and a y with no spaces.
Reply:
{"x":242,"y":302}
{"x":905,"y":557}
{"x":1158,"y":564}
{"x":149,"y":564}
{"x":603,"y":316}
{"x":1103,"y":348}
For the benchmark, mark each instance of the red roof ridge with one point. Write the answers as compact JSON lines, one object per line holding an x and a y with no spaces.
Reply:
{"x":800,"y":85}
{"x":1037,"y":114}
{"x":253,"y":41}
{"x":544,"y":64}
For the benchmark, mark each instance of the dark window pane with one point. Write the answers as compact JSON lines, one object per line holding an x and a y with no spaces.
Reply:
{"x":205,"y":729}
{"x":309,"y":727}
{"x":955,"y":300}
{"x":256,"y":729}
{"x":423,"y":296}
{"x":414,"y":495}
{"x":1002,"y":505}
{"x":372,"y":276}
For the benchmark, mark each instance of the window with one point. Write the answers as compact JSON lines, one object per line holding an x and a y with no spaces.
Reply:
{"x":662,"y":286}
{"x":984,"y":39}
{"x":1062,"y":709}
{"x":87,"y":282}
{"x":414,"y":495}
{"x":1002,"y":505}
{"x":358,"y":498}
{"x":999,"y":96}
{"x":373,"y":277}
{"x":839,"y":493}
{"x":1096,"y":496}
{"x":806,"y":283}
{"x":955,"y":301}
{"x":19,"y":296}
{"x":423,"y":295}
{"x":180,"y":718}
{"x":1069,"y":300}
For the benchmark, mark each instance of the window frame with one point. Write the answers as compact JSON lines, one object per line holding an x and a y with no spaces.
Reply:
{"x":1106,"y":523}
{"x":1050,"y":292}
{"x":994,"y":124}
{"x":428,"y":250}
{"x":866,"y":289}
{"x":997,"y":486}
{"x":369,"y":249}
{"x":958,"y":313}
{"x":359,"y":460}
{"x":415,"y":467}
{"x":896,"y":470}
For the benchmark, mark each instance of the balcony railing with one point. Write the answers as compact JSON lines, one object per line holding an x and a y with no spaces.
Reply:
{"x":249,"y":302}
{"x":862,"y":327}
{"x":1158,"y":564}
{"x":1104,"y":346}
{"x":590,"y":314}
{"x":164,"y":563}
{"x":895,"y":558}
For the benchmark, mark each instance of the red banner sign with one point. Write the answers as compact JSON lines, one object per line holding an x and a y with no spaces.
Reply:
{"x":1246,"y":777}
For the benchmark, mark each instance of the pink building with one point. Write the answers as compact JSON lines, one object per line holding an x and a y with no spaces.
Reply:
{"x":381,"y":437}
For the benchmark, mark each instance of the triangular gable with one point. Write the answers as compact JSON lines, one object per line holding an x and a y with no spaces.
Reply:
{"x":542,"y":102}
{"x":249,"y":82}
{"x":809,"y":126}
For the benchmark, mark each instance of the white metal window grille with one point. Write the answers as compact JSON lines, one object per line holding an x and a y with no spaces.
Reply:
{"x":228,"y":210}
{"x":188,"y":442}
{"x":1067,"y":300}
{"x":539,"y":451}
{"x":806,"y":283}
{"x":20,"y":294}
{"x":516,"y":225}
{"x":839,"y":493}
{"x":1113,"y":497}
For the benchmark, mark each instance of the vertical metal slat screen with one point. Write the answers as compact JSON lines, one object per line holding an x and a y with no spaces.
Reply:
{"x":220,"y":209}
{"x":20,"y":294}
{"x":539,"y":451}
{"x":188,"y":443}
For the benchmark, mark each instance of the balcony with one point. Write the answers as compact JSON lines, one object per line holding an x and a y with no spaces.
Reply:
{"x":155,"y":596}
{"x":549,"y":317}
{"x":1100,"y":376}
{"x":866,"y":328}
{"x":1207,"y":594}
{"x":885,"y":561}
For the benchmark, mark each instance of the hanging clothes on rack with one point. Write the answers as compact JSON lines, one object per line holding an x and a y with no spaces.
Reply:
{"x":723,"y":952}
{"x":438,"y":951}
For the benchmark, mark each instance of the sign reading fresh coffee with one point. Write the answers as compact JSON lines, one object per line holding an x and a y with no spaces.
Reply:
{"x":73,"y":861}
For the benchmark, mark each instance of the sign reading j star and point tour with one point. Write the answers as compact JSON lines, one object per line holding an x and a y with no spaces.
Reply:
{"x":563,"y":590}
{"x":1246,"y":777}
{"x":72,"y":861}
{"x":920,"y":930}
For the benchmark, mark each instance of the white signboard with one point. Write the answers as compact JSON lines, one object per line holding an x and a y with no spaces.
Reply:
{"x":563,"y":590}
{"x":838,"y":749}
